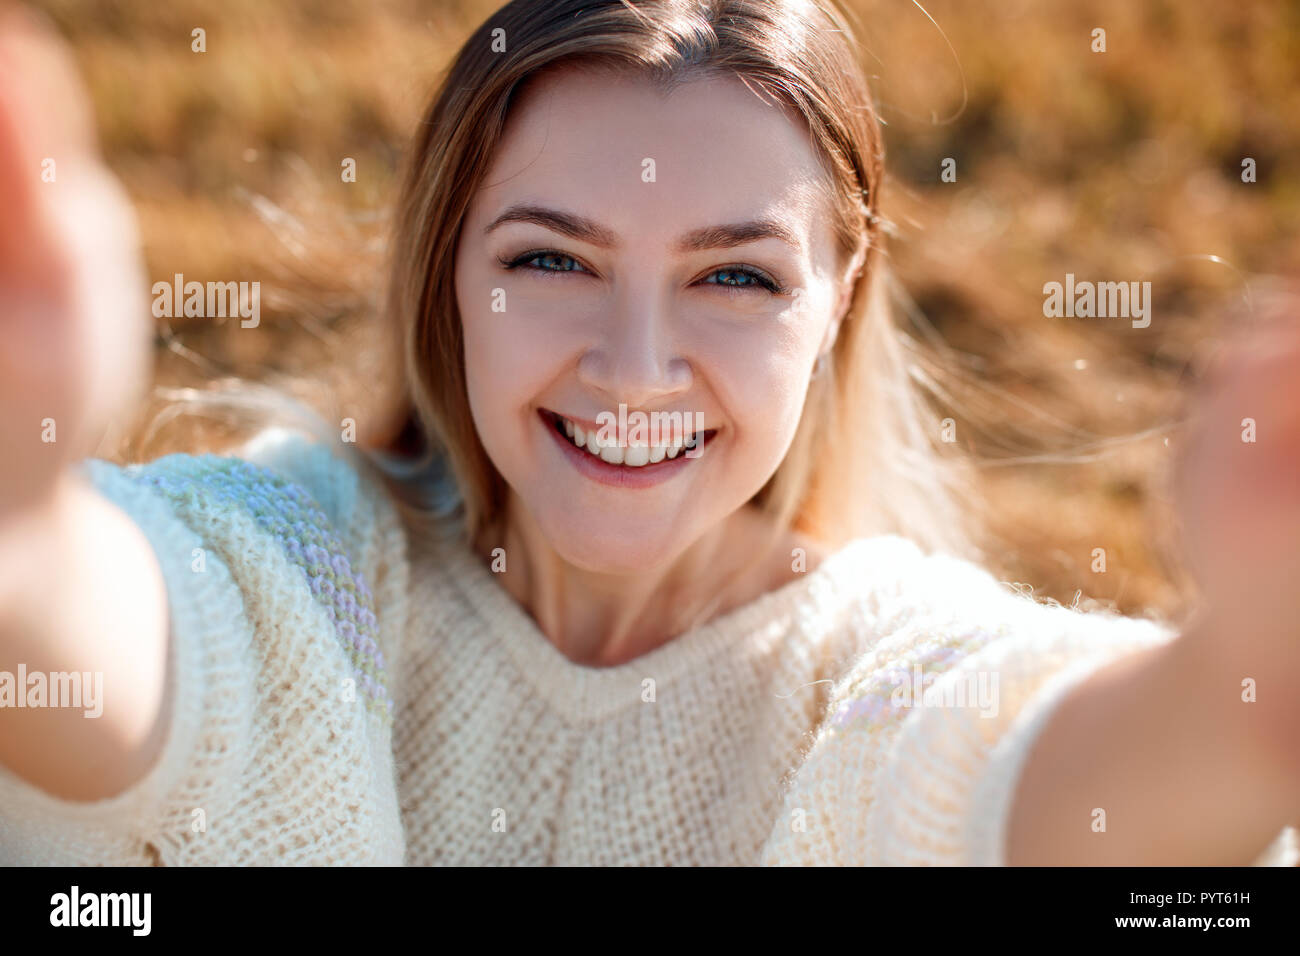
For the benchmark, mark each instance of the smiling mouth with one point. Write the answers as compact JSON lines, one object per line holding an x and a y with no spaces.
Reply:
{"x":630,"y":455}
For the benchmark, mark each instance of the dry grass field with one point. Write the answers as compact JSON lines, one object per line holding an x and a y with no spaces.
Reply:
{"x":1116,"y":166}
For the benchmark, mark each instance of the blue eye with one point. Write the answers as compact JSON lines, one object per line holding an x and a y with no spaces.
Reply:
{"x":526,"y":259}
{"x":550,"y":262}
{"x":756,"y":279}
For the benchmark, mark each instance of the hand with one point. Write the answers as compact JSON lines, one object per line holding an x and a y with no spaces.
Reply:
{"x":74,"y":319}
{"x":1240,"y":506}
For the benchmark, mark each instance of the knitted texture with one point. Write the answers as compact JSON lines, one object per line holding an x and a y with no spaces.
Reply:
{"x":345,"y":695}
{"x":286,"y":512}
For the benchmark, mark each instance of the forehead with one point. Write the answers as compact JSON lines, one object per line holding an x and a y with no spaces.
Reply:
{"x":592,"y":141}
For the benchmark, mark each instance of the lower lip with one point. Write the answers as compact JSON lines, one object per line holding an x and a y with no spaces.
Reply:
{"x":619,"y":476}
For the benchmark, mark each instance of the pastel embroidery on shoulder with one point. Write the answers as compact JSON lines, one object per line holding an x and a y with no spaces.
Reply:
{"x":904,"y":682}
{"x":288,"y":513}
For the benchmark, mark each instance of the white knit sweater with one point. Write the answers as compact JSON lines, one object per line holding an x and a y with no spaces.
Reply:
{"x":347,"y":696}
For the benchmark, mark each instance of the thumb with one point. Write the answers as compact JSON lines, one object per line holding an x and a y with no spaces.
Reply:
{"x":45,"y":120}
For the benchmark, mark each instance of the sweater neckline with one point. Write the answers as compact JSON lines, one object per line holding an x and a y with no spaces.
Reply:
{"x":582,"y":693}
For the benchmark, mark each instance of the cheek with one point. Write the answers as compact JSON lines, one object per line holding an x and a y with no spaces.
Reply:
{"x":762,"y":393}
{"x":762,"y":380}
{"x":771,"y":401}
{"x":507,"y":359}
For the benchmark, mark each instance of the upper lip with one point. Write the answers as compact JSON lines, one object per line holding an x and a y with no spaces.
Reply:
{"x":588,"y":425}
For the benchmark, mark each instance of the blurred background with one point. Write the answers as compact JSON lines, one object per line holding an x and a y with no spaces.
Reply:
{"x":1117,"y":166}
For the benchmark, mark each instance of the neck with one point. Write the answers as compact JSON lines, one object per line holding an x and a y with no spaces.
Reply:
{"x":602,"y":620}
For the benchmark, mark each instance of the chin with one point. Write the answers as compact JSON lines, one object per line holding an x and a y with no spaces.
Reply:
{"x":613,"y":550}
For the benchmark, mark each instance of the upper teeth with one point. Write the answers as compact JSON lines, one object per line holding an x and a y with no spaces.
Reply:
{"x":634,"y":454}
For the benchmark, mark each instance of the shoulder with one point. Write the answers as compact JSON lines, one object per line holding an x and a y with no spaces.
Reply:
{"x":286,"y":603}
{"x":288,"y":513}
{"x":333,"y":493}
{"x":903,"y":595}
{"x":947,"y":678}
{"x":337,"y":475}
{"x":345,"y":487}
{"x":287,"y":484}
{"x":915,"y":620}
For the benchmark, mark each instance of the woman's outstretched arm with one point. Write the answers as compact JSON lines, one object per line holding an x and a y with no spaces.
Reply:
{"x":1157,"y":761}
{"x":1192,"y":749}
{"x":83,"y":595}
{"x":980,"y":727}
{"x":239,"y":612}
{"x":80,"y":590}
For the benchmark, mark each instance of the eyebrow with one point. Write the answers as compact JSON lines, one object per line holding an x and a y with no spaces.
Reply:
{"x":697,"y":240}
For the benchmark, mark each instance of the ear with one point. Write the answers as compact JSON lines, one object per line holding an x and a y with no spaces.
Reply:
{"x":849,"y":278}
{"x":828,"y":340}
{"x":848,"y":282}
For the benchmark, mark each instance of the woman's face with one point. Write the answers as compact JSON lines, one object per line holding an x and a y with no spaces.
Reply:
{"x":667,"y":253}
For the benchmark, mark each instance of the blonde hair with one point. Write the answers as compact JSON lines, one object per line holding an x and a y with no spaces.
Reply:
{"x":863,"y":460}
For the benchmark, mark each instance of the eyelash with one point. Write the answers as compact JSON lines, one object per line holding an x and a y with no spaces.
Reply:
{"x":765,"y":282}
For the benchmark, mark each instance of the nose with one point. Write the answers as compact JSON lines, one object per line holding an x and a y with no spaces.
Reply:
{"x":634,"y":360}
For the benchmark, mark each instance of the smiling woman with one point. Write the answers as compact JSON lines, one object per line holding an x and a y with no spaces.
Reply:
{"x":618,"y":648}
{"x":656,"y":317}
{"x":610,"y":255}
{"x":665,"y":268}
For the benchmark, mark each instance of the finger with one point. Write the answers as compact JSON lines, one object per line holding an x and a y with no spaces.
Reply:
{"x":1255,"y":412}
{"x":45,"y":124}
{"x":40,"y":70}
{"x":1269,"y":340}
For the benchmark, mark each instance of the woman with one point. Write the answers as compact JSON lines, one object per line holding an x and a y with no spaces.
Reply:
{"x":720,"y":644}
